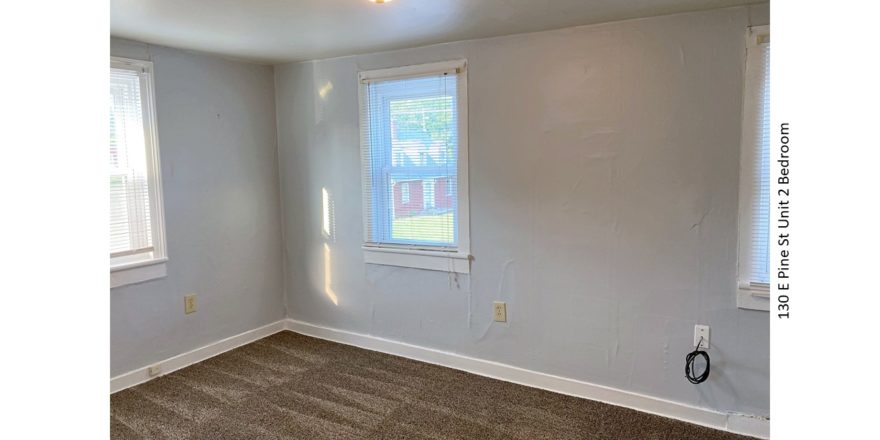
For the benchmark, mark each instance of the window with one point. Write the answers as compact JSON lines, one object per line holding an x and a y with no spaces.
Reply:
{"x":753,"y":290}
{"x":404,"y":193}
{"x":137,"y":241}
{"x":414,"y":161}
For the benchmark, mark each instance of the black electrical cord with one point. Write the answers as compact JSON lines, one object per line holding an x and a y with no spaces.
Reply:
{"x":689,"y":371}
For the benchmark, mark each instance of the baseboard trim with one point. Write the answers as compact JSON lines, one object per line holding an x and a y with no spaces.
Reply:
{"x":737,"y":423}
{"x":141,"y":375}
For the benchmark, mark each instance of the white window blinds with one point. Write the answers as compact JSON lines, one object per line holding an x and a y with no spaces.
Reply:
{"x":410,"y":154}
{"x":131,"y":167}
{"x":754,"y":270}
{"x":760,"y":271}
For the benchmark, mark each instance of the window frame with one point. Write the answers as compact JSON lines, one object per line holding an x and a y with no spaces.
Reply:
{"x":749,"y":295}
{"x":138,"y":268}
{"x":450,"y":259}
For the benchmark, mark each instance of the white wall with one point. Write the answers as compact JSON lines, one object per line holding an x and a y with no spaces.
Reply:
{"x":217,"y":144}
{"x":603,"y":173}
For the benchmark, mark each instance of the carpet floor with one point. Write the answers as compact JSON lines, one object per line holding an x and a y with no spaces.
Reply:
{"x":290,"y":386}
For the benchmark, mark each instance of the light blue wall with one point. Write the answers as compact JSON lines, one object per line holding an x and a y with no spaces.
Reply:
{"x":604,"y":178}
{"x":216,"y":123}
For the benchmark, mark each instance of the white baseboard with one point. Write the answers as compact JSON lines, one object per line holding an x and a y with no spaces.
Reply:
{"x":142,"y":375}
{"x":737,"y":423}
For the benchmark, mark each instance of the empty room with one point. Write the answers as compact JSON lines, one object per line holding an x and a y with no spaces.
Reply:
{"x":512,"y":234}
{"x":445,"y":219}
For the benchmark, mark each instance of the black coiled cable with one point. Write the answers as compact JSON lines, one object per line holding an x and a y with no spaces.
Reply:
{"x":689,"y":371}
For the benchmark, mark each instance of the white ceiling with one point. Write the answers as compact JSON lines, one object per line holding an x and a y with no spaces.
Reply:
{"x":274,"y":31}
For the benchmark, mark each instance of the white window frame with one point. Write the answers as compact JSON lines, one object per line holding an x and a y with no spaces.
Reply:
{"x":449,"y":260}
{"x":753,"y":296}
{"x":138,"y":268}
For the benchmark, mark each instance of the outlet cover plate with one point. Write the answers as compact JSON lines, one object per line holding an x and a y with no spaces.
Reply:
{"x":701,"y":331}
{"x":500,"y":311}
{"x":154,"y":370}
{"x":190,"y":303}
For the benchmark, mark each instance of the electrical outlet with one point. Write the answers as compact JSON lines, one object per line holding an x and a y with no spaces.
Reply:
{"x":189,"y":303}
{"x":701,"y":331}
{"x":500,"y":311}
{"x":154,"y":370}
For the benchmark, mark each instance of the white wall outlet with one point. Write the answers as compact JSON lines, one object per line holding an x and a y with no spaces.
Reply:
{"x":154,"y":370}
{"x":500,"y":311}
{"x":189,"y":303}
{"x":701,"y":331}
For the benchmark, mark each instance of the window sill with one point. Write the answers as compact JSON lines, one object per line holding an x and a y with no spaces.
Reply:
{"x":753,"y":298}
{"x":458,"y":262}
{"x":139,"y":272}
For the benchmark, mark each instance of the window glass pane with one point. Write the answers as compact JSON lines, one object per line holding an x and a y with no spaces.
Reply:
{"x":413,"y":161}
{"x":760,"y":270}
{"x":130,"y":225}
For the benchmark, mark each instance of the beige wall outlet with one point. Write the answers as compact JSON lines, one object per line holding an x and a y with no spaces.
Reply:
{"x":154,"y":370}
{"x":500,"y":311}
{"x":189,"y":303}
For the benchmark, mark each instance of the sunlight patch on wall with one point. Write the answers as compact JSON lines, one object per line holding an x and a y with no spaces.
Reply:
{"x":328,"y":226}
{"x":328,"y":276}
{"x":325,"y":90}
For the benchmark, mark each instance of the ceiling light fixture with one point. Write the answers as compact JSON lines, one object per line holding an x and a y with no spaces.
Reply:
{"x":380,"y":1}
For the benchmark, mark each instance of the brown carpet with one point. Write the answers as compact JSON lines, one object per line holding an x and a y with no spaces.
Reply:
{"x":290,"y":386}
